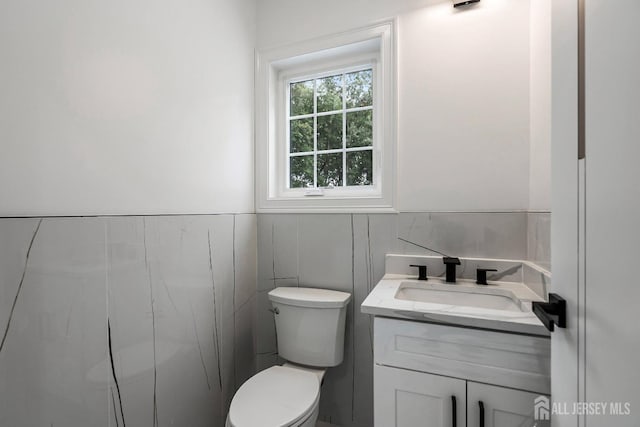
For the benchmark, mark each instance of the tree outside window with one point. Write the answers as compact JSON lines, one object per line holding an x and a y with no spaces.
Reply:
{"x":330,"y":131}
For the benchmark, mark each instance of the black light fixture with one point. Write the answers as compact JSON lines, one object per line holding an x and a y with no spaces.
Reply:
{"x":459,"y":3}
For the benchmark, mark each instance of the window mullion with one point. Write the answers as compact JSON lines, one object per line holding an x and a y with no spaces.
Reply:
{"x":315,"y":133}
{"x":344,"y":130}
{"x":287,"y":108}
{"x":354,"y":109}
{"x":365,"y":148}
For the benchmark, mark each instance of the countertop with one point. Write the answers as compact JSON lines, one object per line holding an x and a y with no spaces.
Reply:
{"x":382,"y":302}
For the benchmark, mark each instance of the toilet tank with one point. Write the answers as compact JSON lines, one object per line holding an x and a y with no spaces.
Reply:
{"x":310,"y":325}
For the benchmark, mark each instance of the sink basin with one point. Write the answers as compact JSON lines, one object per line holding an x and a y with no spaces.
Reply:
{"x":457,"y":295}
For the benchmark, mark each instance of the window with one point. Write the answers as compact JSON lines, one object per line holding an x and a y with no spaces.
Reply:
{"x":325,"y":124}
{"x":330,"y":130}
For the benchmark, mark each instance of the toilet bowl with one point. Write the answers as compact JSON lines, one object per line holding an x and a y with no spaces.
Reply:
{"x":287,"y":395}
{"x":310,"y":325}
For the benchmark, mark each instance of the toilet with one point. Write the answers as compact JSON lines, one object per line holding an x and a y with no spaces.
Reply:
{"x":310,"y":326}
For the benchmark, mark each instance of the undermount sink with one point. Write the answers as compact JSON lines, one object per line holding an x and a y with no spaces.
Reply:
{"x":457,"y":295}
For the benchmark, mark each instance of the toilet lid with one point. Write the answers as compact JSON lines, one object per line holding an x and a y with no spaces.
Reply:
{"x":278,"y":396}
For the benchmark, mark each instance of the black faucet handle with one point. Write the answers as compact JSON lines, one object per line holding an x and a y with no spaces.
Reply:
{"x":422,"y":271}
{"x":481,"y":275}
{"x":450,"y":263}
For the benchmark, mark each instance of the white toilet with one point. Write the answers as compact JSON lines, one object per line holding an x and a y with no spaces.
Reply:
{"x":310,"y":329}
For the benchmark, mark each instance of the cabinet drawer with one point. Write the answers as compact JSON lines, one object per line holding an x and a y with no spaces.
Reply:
{"x":509,"y":360}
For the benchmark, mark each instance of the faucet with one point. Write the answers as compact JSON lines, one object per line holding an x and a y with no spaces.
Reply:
{"x":422,"y":271}
{"x":450,"y":263}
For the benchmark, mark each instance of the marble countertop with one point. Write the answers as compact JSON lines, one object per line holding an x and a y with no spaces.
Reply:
{"x":382,"y":302}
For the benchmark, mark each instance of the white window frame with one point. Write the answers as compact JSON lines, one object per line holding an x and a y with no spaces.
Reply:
{"x":371,"y":47}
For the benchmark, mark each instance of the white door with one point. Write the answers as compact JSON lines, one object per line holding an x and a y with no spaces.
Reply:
{"x":405,"y":398}
{"x":596,"y":212}
{"x":612,"y":211}
{"x":492,"y":406}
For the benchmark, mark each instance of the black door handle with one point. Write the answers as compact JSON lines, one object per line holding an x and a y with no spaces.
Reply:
{"x":551,"y":313}
{"x":454,"y":412}
{"x":481,"y":413}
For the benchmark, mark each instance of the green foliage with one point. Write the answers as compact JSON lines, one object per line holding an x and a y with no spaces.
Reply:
{"x":329,"y":92}
{"x":359,"y":167}
{"x":301,"y":98}
{"x":354,"y":90}
{"x":301,"y":135}
{"x":330,"y":132}
{"x":330,"y":170}
{"x":359,"y":89}
{"x":360,"y":128}
{"x":301,"y":171}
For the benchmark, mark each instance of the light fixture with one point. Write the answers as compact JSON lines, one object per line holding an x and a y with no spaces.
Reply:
{"x":458,"y":3}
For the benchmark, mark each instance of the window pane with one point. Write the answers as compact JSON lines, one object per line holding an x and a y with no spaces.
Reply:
{"x":330,"y":132}
{"x":329,"y":92}
{"x":359,"y":167}
{"x":301,"y":171}
{"x":359,"y":129}
{"x":301,"y":98}
{"x":329,"y":169}
{"x":301,"y":135}
{"x":359,"y":89}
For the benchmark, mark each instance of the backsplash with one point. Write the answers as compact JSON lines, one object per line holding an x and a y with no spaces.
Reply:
{"x":111,"y":321}
{"x":539,"y":238}
{"x":347,"y":252}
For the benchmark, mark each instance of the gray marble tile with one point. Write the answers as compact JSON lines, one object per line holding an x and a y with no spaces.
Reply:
{"x":538,"y":280}
{"x":245,"y":256}
{"x":244,"y":341}
{"x":278,"y":249}
{"x":173,"y":342}
{"x":325,"y":251}
{"x":265,"y":326}
{"x":129,"y":366}
{"x":375,"y":236}
{"x":55,"y":341}
{"x":143,"y":320}
{"x":16,"y":236}
{"x":222,"y":253}
{"x":486,"y":235}
{"x":539,"y":239}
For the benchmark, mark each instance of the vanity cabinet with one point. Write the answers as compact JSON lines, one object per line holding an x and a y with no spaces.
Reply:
{"x":501,"y":407}
{"x":409,"y":399}
{"x":436,"y":375}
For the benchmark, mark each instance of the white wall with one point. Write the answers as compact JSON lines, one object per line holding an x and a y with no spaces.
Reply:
{"x":540,"y":107}
{"x":464,"y":110}
{"x":121,"y":107}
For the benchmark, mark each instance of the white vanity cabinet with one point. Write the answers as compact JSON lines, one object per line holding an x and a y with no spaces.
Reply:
{"x":409,"y":399}
{"x":503,"y":407}
{"x":435,"y":375}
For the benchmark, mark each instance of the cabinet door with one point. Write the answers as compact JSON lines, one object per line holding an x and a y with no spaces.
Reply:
{"x":504,"y":407}
{"x":414,"y":399}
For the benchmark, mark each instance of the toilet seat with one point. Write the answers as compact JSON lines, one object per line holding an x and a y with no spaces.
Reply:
{"x":276,"y":397}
